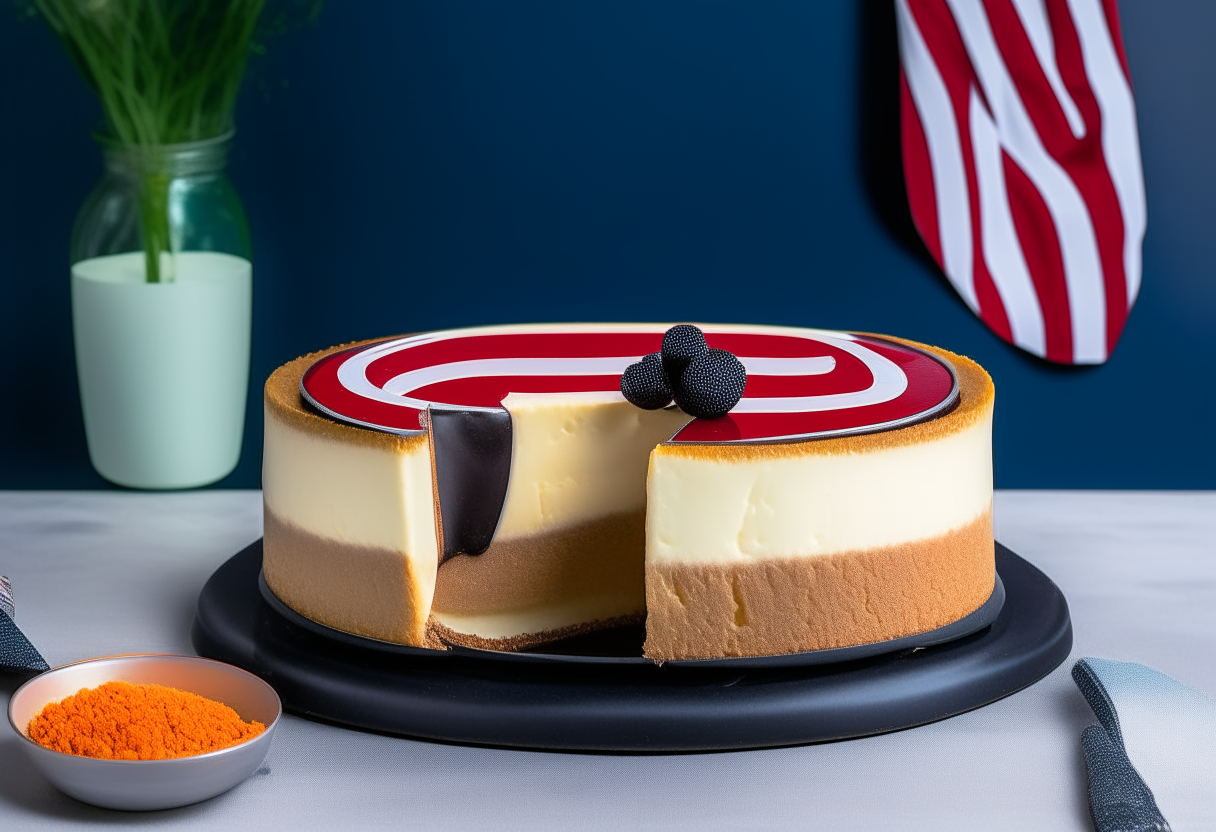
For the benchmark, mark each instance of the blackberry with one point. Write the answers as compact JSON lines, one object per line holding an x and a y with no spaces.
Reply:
{"x":645,"y":385}
{"x":711,"y":385}
{"x":681,"y":344}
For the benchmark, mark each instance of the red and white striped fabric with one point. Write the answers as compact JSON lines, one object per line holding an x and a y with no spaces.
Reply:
{"x":1022,"y":161}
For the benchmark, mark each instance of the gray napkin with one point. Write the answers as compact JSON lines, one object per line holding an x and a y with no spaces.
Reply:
{"x":1153,"y":753}
{"x":16,"y":652}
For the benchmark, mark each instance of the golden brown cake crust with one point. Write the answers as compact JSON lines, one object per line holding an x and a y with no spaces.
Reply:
{"x":282,"y":397}
{"x":357,"y":589}
{"x":798,"y":604}
{"x":976,"y":396}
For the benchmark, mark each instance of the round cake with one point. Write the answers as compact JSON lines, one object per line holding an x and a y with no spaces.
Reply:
{"x":492,"y":487}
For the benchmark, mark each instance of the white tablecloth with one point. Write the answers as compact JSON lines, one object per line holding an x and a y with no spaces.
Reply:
{"x":102,"y":573}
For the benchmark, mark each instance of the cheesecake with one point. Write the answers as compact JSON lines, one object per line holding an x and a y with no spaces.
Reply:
{"x":492,"y":488}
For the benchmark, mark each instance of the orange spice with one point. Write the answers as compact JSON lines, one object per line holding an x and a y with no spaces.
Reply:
{"x":125,"y":721}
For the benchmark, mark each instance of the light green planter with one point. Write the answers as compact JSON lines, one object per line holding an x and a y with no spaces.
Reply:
{"x":163,"y":367}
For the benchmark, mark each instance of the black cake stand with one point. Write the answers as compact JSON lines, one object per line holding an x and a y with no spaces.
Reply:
{"x":632,"y":707}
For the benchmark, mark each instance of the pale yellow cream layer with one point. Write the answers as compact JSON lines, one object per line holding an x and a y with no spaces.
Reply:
{"x":553,"y":617}
{"x":702,"y":509}
{"x":353,"y":493}
{"x":577,"y":457}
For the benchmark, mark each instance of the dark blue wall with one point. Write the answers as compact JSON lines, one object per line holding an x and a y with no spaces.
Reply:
{"x":415,"y":165}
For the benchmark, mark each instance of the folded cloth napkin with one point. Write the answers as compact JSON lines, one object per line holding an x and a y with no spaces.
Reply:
{"x":16,"y":652}
{"x":1153,"y":754}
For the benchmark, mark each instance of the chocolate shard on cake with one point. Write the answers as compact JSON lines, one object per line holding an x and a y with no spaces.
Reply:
{"x":471,"y":461}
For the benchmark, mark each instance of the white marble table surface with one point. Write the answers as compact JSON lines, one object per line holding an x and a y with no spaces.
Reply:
{"x":106,"y":572}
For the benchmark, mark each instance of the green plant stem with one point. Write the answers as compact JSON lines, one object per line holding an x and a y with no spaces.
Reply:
{"x":154,"y":221}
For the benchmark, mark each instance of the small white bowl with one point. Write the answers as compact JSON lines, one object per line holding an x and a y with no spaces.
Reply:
{"x":143,"y":785}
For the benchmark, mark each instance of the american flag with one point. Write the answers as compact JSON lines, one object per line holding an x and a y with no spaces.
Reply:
{"x":1022,"y":162}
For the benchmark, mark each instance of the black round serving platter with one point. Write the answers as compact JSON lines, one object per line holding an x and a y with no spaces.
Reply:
{"x":570,"y":698}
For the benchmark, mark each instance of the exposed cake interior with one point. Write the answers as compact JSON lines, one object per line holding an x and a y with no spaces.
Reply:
{"x":569,"y":550}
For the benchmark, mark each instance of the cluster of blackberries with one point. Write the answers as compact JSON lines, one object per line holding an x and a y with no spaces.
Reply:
{"x":705,"y":383}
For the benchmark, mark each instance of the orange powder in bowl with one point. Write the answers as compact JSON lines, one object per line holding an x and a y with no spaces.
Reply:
{"x":125,"y":721}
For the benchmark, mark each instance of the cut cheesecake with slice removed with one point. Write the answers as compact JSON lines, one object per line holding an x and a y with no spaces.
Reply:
{"x":759,"y":549}
{"x":492,"y":488}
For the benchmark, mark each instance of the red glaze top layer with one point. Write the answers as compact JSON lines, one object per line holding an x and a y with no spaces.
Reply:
{"x":801,"y":383}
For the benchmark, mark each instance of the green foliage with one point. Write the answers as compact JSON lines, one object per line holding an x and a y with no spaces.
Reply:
{"x":166,"y":71}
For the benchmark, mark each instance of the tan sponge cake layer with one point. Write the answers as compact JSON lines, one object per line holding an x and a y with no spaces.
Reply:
{"x":600,"y":558}
{"x":363,"y":590}
{"x":798,"y":604}
{"x":531,"y":590}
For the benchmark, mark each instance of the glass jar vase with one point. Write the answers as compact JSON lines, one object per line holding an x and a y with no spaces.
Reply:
{"x":162,"y":312}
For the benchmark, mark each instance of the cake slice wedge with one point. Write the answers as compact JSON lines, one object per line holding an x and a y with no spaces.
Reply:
{"x":761,"y":549}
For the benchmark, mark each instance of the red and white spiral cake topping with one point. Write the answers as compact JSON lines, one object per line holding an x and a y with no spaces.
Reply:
{"x":801,"y":383}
